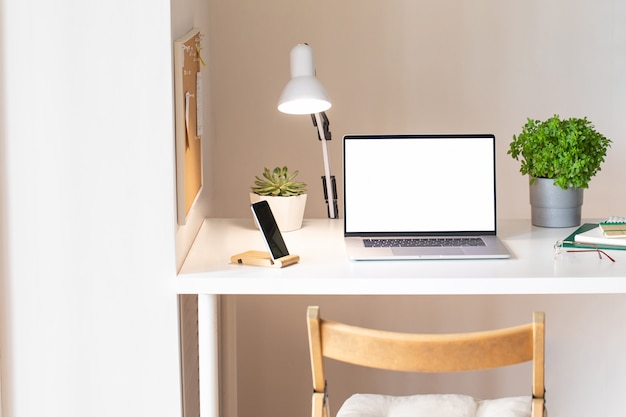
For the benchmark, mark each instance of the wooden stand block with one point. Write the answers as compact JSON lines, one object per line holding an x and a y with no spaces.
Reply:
{"x":260,"y":258}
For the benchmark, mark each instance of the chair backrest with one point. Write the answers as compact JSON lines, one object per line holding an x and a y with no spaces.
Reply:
{"x":424,"y":352}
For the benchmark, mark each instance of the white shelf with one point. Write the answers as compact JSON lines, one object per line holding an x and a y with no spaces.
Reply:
{"x":325,"y":269}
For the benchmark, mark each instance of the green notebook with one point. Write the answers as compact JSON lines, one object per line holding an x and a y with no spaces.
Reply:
{"x":570,"y":242}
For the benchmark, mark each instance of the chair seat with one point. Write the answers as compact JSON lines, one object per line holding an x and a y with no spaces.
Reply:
{"x":433,"y":405}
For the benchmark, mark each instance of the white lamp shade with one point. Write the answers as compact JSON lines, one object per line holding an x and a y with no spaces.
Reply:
{"x":303,"y":94}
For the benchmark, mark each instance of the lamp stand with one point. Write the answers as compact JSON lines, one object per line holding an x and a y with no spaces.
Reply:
{"x":330,"y":188}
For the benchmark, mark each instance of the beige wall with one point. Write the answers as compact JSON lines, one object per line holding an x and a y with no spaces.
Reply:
{"x":416,"y":66}
{"x":408,"y":66}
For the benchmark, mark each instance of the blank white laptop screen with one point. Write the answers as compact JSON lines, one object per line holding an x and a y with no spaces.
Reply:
{"x":419,"y":184}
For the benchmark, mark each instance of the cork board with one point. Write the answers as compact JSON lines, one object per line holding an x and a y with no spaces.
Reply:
{"x":188,"y":102}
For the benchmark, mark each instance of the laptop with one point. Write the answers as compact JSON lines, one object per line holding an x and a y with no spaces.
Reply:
{"x":420,"y":197}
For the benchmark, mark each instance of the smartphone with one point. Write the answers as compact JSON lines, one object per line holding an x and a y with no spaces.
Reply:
{"x":271,"y":233}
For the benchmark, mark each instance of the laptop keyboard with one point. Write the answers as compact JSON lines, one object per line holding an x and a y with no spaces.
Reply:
{"x":423,"y":242}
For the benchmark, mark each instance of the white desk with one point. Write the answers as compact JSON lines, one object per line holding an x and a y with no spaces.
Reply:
{"x":325,"y":269}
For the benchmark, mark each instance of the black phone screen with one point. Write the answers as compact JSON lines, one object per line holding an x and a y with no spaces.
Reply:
{"x":271,"y":233}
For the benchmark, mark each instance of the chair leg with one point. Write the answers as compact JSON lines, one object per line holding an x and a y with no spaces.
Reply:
{"x":538,"y":408}
{"x":319,"y":405}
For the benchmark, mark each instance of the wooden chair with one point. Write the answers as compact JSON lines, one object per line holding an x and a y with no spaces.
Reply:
{"x":425,"y":353}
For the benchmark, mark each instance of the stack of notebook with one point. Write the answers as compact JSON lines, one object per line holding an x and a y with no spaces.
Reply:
{"x":614,"y":227}
{"x":610,"y":233}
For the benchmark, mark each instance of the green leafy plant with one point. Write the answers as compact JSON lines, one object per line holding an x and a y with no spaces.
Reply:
{"x":278,"y":182}
{"x":570,"y":151}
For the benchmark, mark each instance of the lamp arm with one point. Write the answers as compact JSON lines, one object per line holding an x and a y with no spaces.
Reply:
{"x":325,"y":125}
{"x":321,"y":122}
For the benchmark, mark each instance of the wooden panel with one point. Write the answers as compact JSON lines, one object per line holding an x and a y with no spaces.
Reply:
{"x":188,"y":100}
{"x":427,"y":352}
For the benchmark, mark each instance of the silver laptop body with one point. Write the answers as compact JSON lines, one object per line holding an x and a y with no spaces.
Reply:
{"x":420,"y":197}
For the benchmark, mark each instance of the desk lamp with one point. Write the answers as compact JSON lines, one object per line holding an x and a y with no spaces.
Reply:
{"x":304,"y":94}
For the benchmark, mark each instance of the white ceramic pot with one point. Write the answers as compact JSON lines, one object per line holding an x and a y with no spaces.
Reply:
{"x":288,"y":211}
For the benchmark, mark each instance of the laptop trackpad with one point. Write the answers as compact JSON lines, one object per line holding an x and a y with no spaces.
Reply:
{"x":436,"y":251}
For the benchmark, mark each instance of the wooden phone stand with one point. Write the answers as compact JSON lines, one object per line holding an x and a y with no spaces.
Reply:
{"x":261,"y":258}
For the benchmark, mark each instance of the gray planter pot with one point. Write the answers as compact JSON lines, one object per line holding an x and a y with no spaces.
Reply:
{"x":551,"y":206}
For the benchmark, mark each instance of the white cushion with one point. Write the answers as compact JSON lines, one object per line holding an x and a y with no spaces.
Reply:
{"x":433,"y":405}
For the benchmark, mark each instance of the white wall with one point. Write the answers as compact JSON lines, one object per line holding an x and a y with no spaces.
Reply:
{"x":89,"y":322}
{"x":3,"y":223}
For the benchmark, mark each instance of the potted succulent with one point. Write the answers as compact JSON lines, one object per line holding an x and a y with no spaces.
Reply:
{"x":560,"y":157}
{"x":286,"y":197}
